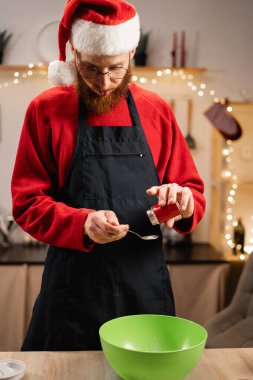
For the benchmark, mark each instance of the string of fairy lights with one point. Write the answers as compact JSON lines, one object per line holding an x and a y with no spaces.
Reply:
{"x":231,"y":199}
{"x":20,"y":76}
{"x":200,"y":89}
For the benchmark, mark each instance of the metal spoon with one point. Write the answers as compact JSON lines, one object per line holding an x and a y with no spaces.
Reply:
{"x":148,"y":237}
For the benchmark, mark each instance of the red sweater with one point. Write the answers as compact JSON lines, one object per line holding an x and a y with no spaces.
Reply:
{"x":45,"y":151}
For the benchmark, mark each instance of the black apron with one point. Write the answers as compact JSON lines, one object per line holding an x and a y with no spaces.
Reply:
{"x":111,"y":169}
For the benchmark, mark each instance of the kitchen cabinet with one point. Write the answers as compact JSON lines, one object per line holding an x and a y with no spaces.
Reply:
{"x":199,"y":278}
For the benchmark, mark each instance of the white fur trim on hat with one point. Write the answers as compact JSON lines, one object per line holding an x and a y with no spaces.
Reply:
{"x":97,"y":39}
{"x":61,"y":73}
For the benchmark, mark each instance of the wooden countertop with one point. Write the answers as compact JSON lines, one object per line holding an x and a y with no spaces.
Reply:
{"x":215,"y":364}
{"x":199,"y":253}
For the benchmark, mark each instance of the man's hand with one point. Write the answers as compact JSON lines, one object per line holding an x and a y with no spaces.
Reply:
{"x":172,"y":193}
{"x":103,"y":227}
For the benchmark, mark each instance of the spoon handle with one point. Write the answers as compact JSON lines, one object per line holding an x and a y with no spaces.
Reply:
{"x":134,"y":233}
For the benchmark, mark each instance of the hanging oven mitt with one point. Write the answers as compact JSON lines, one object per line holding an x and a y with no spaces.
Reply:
{"x":226,"y":124}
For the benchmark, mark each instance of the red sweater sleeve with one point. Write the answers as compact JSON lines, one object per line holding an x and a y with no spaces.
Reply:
{"x":34,"y":187}
{"x":171,"y":154}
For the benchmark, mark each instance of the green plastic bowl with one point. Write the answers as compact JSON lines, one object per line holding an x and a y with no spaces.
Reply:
{"x":152,"y":347}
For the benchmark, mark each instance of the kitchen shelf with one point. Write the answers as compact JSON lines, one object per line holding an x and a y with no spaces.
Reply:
{"x":181,"y":70}
{"x":240,"y":181}
{"x":22,"y":68}
{"x":144,"y":70}
{"x":238,"y":104}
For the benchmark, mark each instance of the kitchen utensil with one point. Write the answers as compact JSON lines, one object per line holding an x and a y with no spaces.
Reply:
{"x":152,"y":346}
{"x":225,"y":123}
{"x":189,"y":139}
{"x":147,"y":237}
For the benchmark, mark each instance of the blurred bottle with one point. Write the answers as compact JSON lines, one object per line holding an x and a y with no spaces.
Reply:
{"x":239,"y":234}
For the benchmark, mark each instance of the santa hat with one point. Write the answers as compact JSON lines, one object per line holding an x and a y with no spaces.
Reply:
{"x":94,"y":27}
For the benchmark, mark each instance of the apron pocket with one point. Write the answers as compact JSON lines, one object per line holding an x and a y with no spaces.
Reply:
{"x":108,"y":176}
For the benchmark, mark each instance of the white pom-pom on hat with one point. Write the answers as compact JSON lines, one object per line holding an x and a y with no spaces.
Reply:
{"x":61,"y":73}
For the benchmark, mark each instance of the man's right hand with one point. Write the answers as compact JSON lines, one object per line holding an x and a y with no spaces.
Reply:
{"x":103,"y":227}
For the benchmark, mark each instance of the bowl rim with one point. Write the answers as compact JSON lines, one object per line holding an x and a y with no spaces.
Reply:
{"x":153,"y":352}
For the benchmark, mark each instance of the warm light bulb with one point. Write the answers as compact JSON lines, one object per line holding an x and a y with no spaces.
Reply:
{"x":194,"y":87}
{"x":232,"y":192}
{"x":167,"y":71}
{"x":212,"y":92}
{"x":159,"y":73}
{"x":242,"y":256}
{"x":31,"y":65}
{"x":30,"y":73}
{"x":200,"y":93}
{"x":16,"y":74}
{"x":234,"y":186}
{"x":248,"y":249}
{"x":229,"y":217}
{"x":142,"y":80}
{"x":189,"y":84}
{"x":225,"y":152}
{"x":227,"y":236}
{"x":16,"y":81}
{"x":134,"y":78}
{"x":203,"y":86}
{"x":235,"y":223}
{"x":154,"y":81}
{"x":229,"y":109}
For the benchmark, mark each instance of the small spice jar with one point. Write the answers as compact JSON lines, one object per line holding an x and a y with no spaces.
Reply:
{"x":158,"y":214}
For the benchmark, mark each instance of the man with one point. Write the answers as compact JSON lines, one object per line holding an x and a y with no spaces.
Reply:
{"x":94,"y":154}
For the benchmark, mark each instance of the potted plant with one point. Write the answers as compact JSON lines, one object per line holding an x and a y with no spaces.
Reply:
{"x":140,"y":57}
{"x":4,"y":39}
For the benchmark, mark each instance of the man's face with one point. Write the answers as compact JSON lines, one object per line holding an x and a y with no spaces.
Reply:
{"x":102,"y":81}
{"x":94,"y":71}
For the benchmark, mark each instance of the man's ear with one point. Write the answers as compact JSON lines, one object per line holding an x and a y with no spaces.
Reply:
{"x":132,"y":53}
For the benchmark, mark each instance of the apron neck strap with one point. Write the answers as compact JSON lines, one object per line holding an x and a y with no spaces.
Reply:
{"x":82,"y":113}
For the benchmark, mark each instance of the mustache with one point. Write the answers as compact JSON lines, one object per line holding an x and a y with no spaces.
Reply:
{"x":97,"y":104}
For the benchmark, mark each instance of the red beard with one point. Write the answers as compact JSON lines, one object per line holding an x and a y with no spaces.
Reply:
{"x":98,"y":105}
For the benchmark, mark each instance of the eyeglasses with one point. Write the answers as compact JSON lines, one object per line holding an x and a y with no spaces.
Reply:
{"x":92,"y":72}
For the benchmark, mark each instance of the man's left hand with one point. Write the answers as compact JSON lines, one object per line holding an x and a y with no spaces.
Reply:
{"x":172,"y":193}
